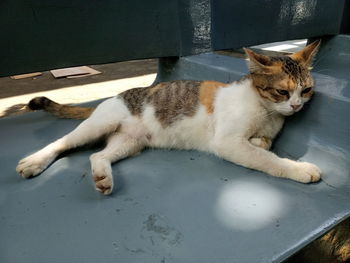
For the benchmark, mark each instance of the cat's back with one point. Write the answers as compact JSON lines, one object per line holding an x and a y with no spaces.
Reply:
{"x":173,"y":100}
{"x":176,"y":112}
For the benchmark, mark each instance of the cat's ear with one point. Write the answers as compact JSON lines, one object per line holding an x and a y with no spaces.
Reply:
{"x":260,"y":63}
{"x":306,"y":55}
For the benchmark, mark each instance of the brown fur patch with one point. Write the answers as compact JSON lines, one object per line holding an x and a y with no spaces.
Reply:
{"x":175,"y":100}
{"x":134,"y":99}
{"x":287,"y":83}
{"x":207,"y":92}
{"x":171,"y":100}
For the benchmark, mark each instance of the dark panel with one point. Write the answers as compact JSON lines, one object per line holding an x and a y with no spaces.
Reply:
{"x":39,"y":35}
{"x":42,"y":35}
{"x":345,"y":25}
{"x":244,"y":23}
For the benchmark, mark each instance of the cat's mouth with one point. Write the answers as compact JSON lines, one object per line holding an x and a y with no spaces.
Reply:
{"x":287,"y":110}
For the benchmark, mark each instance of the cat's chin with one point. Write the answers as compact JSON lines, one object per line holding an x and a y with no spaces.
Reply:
{"x":288,"y":113}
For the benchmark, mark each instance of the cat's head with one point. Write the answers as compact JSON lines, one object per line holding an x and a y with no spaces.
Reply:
{"x":283,"y":82}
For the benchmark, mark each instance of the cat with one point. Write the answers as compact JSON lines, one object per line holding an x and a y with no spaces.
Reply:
{"x":235,"y":121}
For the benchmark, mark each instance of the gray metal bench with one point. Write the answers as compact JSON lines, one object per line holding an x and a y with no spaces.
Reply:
{"x":173,"y":206}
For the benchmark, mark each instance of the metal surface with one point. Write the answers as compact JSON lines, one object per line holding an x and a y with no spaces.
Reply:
{"x":180,"y":206}
{"x":41,"y":35}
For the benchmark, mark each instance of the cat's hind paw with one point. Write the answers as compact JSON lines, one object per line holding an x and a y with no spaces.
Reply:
{"x":103,"y":184}
{"x":33,"y":165}
{"x":101,"y":174}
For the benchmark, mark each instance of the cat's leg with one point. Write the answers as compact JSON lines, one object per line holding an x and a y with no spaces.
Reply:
{"x":242,"y":152}
{"x":100,"y":123}
{"x":262,"y":142}
{"x":119,"y":146}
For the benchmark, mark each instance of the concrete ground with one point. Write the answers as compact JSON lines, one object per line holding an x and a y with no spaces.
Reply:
{"x":115,"y":78}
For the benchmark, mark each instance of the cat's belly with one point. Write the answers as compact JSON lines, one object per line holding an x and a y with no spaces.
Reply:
{"x":186,"y":133}
{"x":195,"y":139}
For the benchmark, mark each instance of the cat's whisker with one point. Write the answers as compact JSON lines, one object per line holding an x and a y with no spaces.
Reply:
{"x":269,"y":113}
{"x":323,"y":70}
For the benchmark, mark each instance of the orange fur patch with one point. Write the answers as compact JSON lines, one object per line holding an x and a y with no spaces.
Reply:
{"x":207,"y":92}
{"x":157,"y":87}
{"x":287,"y":84}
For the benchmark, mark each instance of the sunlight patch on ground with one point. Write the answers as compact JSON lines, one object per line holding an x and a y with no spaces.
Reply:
{"x":279,"y":47}
{"x":83,"y":93}
{"x":249,"y":206}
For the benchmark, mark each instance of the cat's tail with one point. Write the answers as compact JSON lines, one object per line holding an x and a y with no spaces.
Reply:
{"x":54,"y":108}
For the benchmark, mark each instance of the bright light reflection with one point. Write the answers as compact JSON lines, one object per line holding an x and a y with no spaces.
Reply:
{"x":249,"y":206}
{"x":280,"y":47}
{"x":301,"y":42}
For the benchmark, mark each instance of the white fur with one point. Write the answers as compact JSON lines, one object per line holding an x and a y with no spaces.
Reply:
{"x":188,"y":133}
{"x":234,"y":131}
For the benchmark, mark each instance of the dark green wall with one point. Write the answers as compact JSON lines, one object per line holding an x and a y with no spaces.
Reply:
{"x":41,"y":35}
{"x":242,"y":23}
{"x":37,"y":35}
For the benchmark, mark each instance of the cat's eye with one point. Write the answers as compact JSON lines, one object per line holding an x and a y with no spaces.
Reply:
{"x":282,"y":91}
{"x":307,"y":90}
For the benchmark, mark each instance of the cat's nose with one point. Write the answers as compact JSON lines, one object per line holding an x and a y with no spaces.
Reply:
{"x":295,"y":106}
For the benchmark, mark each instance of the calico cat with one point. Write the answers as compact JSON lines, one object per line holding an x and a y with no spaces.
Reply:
{"x":235,"y":121}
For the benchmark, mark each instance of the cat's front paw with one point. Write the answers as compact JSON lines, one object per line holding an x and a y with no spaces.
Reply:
{"x":33,"y":165}
{"x":304,"y":172}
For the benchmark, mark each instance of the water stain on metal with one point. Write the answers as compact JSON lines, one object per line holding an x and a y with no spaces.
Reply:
{"x":163,"y":231}
{"x":115,"y":247}
{"x":134,"y":251}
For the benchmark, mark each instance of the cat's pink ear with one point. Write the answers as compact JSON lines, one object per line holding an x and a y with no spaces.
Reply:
{"x":260,"y":63}
{"x":306,"y":55}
